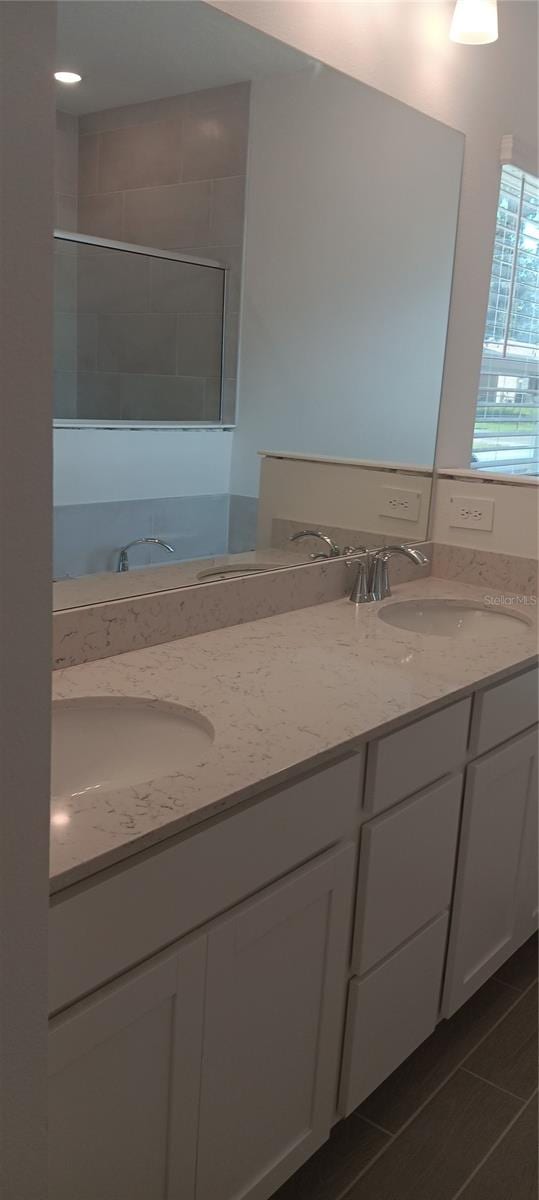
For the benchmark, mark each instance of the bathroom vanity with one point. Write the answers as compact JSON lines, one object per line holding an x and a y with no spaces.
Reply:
{"x":240,"y":953}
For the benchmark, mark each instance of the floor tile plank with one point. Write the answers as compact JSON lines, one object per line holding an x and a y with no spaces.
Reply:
{"x":508,"y":1056}
{"x":510,"y":1172}
{"x":399,"y":1097}
{"x":437,"y":1152}
{"x":337,"y":1164}
{"x":521,"y":969}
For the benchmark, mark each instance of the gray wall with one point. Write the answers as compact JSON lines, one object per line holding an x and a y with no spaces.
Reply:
{"x":27,"y":46}
{"x":347,"y":276}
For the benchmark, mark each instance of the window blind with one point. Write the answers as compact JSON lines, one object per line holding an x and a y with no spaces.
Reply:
{"x":506,"y":434}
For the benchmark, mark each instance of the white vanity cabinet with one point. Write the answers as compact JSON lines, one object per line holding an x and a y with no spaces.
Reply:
{"x":279,"y":987}
{"x":275,"y":992}
{"x":210,"y":1072}
{"x":124,"y":1070}
{"x":495,"y":905}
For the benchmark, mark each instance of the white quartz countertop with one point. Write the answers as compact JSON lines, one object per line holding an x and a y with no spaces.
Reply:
{"x":283,"y":694}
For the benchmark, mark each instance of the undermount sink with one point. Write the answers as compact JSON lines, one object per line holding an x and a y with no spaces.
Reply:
{"x":451,"y":618}
{"x":234,"y":569}
{"x":110,"y":741}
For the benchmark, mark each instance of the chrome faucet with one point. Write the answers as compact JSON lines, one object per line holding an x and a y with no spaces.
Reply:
{"x":372,"y":579}
{"x":334,"y":551}
{"x":123,"y":558}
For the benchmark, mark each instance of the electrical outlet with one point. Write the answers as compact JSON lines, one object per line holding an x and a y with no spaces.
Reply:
{"x":399,"y":503}
{"x":467,"y":512}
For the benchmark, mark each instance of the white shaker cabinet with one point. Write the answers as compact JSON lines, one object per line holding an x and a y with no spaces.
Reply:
{"x":124,"y":1074}
{"x":210,"y":1072}
{"x":497,"y":867}
{"x":275,"y":995}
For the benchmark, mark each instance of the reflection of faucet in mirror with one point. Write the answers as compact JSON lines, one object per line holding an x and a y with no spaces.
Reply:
{"x":334,"y":551}
{"x":372,"y":579}
{"x":123,"y":559}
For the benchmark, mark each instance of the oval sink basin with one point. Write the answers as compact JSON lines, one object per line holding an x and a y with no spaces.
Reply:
{"x":247,"y":569}
{"x":110,"y":741}
{"x":451,"y":618}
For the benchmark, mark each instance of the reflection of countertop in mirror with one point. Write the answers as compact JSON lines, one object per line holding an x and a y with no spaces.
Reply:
{"x":283,"y":694}
{"x":161,"y":577}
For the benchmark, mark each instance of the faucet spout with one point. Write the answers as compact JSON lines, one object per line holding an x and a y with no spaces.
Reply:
{"x":334,"y":551}
{"x":123,"y":557}
{"x":379,"y":584}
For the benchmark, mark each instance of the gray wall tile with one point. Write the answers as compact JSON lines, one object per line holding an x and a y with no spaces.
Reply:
{"x":133,"y":114}
{"x":227,"y":211}
{"x":199,"y":345}
{"x":195,"y":525}
{"x":181,"y":288}
{"x":113,"y":282}
{"x":226,"y":98}
{"x":88,"y":158}
{"x":65,"y":342}
{"x":66,"y":151}
{"x":88,"y":537}
{"x":242,"y":524}
{"x":99,"y":396}
{"x":66,"y":213}
{"x":215,"y":142}
{"x":65,"y":280}
{"x":87,"y":342}
{"x":168,"y":216}
{"x":140,"y":156}
{"x":65,"y":395}
{"x":135,"y":342}
{"x":162,"y":398}
{"x":102,"y":216}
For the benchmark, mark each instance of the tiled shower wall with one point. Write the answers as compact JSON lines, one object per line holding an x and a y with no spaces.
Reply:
{"x":169,"y":174}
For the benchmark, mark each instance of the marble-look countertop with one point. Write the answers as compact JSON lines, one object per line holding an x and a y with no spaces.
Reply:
{"x":284,"y":693}
{"x":160,"y":577}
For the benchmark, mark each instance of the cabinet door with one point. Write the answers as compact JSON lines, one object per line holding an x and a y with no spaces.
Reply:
{"x":491,"y":862}
{"x":124,"y":1071}
{"x":276,"y":979}
{"x":528,"y":877}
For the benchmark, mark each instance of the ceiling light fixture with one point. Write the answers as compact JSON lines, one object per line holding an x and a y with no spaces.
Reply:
{"x":67,"y":77}
{"x":475,"y":22}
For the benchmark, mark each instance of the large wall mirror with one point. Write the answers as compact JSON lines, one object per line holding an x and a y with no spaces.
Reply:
{"x":253,"y":263}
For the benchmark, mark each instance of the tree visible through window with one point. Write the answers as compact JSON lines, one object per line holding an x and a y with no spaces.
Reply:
{"x":506,"y":435}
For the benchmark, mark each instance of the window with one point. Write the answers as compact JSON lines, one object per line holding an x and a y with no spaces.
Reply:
{"x":506,"y":435}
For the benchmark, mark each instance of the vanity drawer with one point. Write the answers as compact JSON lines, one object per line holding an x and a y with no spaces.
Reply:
{"x":98,"y":931}
{"x":406,"y":868}
{"x":410,"y":759}
{"x":504,"y":710}
{"x":390,"y":1012}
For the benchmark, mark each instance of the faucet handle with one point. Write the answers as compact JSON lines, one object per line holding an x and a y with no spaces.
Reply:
{"x":360,"y":593}
{"x":379,"y":588}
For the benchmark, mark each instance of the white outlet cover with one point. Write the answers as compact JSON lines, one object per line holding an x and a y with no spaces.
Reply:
{"x":469,"y":512}
{"x":400,"y":503}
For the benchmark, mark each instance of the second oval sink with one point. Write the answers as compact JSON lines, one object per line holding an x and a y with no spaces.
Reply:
{"x":114,"y":741}
{"x":451,"y":618}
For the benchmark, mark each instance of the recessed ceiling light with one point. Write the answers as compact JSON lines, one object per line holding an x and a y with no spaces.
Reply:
{"x":67,"y":77}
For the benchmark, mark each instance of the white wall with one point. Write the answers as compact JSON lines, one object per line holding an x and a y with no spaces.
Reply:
{"x":96,"y":465}
{"x":402,"y":47}
{"x":26,"y":215}
{"x":342,"y":495}
{"x":515,"y":525}
{"x":352,"y":203}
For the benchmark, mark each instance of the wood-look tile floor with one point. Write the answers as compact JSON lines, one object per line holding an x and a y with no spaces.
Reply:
{"x":457,"y":1120}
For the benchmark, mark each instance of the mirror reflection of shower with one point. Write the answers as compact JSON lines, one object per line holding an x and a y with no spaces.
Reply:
{"x":139,"y":333}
